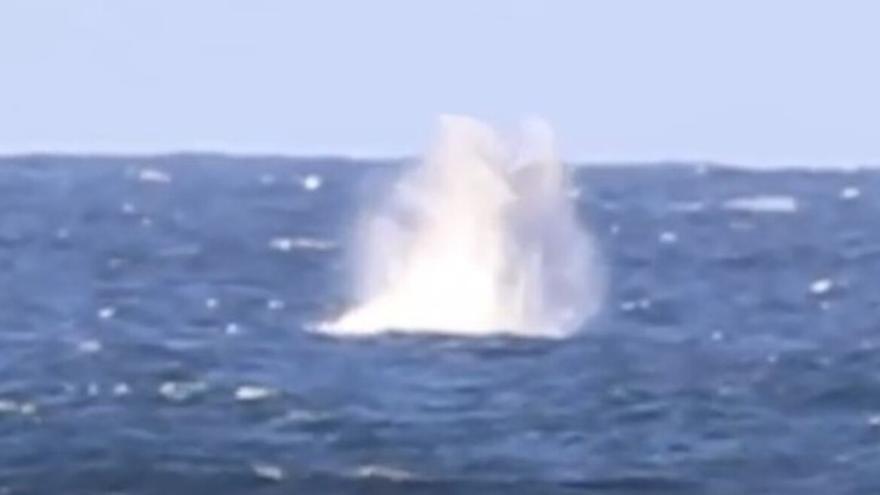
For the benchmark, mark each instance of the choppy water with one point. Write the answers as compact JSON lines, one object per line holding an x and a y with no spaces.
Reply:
{"x":153,"y":317}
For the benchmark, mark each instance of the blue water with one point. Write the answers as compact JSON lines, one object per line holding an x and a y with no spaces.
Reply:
{"x":153,"y":339}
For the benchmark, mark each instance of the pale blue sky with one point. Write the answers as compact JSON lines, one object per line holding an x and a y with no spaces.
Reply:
{"x":749,"y":81}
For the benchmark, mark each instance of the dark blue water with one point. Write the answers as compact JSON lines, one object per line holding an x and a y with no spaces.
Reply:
{"x":153,"y":317}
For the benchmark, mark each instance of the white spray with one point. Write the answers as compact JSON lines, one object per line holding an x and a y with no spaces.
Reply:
{"x":474,"y":241}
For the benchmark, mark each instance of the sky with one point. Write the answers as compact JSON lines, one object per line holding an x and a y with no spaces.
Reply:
{"x":753,"y":82}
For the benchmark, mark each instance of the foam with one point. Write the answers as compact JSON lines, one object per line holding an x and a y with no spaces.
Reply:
{"x":478,"y":239}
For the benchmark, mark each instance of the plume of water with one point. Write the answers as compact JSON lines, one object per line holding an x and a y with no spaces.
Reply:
{"x":477,"y":239}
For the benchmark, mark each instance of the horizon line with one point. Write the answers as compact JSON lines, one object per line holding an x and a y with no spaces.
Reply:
{"x":403,"y":157}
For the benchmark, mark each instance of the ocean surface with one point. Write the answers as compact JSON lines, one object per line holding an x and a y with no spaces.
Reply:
{"x":156,"y":316}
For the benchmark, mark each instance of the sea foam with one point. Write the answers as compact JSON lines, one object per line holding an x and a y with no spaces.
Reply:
{"x":479,"y":238}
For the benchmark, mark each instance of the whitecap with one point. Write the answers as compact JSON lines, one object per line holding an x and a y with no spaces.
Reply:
{"x":8,"y":406}
{"x":627,"y":306}
{"x":668,"y":237}
{"x":384,"y":472}
{"x":90,"y":346}
{"x":180,"y":391}
{"x":821,"y":286}
{"x":267,"y":471}
{"x":303,"y":416}
{"x":763,"y":204}
{"x":93,"y":389}
{"x":106,"y":312}
{"x":120,"y":389}
{"x":643,"y":303}
{"x":250,"y":393}
{"x":850,"y":193}
{"x":286,"y":244}
{"x":312,"y":182}
{"x":154,"y":175}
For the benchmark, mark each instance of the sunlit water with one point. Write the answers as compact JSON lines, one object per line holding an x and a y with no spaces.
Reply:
{"x":155,"y":337}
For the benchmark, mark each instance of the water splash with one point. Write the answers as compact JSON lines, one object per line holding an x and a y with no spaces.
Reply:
{"x":479,"y":239}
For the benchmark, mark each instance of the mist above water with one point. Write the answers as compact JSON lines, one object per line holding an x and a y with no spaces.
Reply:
{"x":480,"y":238}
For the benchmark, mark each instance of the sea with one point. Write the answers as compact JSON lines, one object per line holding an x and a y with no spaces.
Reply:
{"x":158,"y":315}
